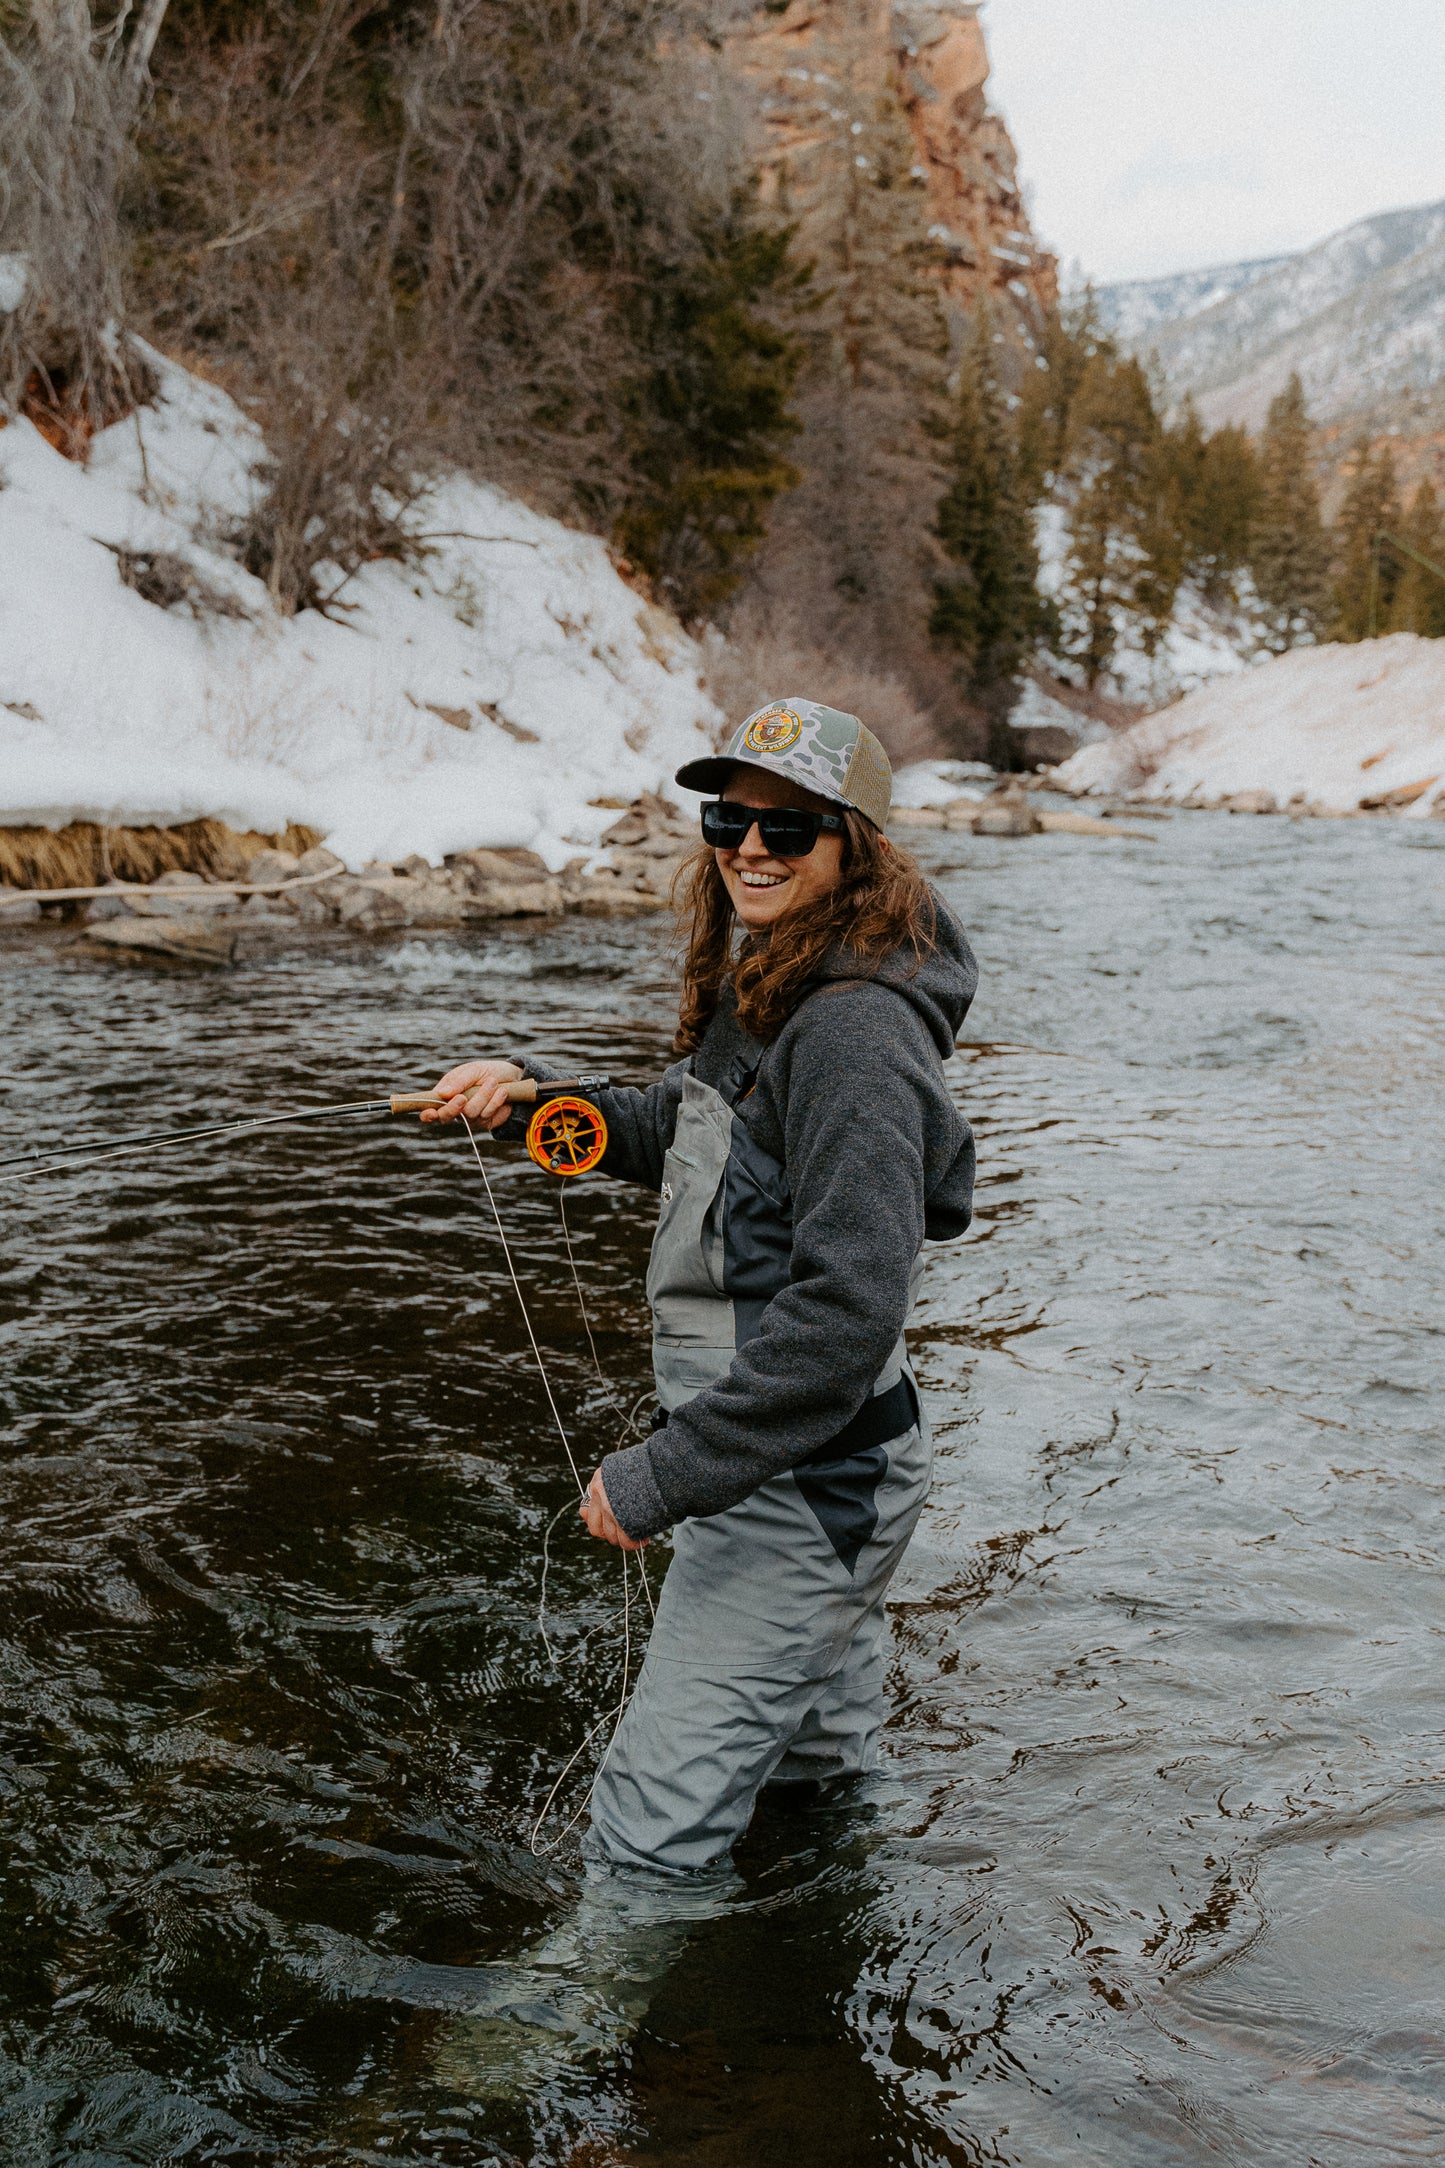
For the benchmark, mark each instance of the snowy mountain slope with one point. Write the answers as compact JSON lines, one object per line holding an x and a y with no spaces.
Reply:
{"x":1330,"y":726}
{"x":483,"y":697}
{"x":1135,"y":308}
{"x":1361,"y":317}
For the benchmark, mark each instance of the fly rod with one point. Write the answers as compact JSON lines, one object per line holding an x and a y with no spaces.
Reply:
{"x":564,"y":1128}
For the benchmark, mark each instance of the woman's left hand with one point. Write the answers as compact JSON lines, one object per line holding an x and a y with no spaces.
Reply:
{"x":600,"y":1519}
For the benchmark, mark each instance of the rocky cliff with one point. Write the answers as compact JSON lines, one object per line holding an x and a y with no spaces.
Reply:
{"x":815,"y":64}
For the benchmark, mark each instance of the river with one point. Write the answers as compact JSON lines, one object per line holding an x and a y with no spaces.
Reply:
{"x":1155,"y":1871}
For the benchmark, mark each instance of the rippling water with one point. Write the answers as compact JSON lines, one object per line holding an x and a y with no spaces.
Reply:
{"x":1156,"y":1871}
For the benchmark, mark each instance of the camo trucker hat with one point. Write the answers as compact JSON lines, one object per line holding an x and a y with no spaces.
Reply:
{"x":821,"y":748}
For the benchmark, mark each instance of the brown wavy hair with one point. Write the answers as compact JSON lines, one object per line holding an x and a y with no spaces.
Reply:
{"x":881,"y":903}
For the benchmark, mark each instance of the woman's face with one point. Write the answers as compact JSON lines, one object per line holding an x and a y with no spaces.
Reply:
{"x":761,"y":887}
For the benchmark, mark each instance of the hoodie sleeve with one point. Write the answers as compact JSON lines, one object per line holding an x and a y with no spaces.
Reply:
{"x":867,"y":1119}
{"x":640,"y":1124}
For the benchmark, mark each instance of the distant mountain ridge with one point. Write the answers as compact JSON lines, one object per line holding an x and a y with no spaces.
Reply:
{"x":1361,"y":316}
{"x":1137,"y":307}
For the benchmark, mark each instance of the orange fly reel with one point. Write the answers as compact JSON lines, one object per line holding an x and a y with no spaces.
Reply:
{"x":567,"y":1135}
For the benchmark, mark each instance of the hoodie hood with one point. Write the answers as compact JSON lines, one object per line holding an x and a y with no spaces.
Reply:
{"x":941,"y":988}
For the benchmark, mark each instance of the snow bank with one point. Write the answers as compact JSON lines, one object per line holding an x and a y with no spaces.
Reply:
{"x":484,"y":697}
{"x":940,"y":782}
{"x":1330,"y":725}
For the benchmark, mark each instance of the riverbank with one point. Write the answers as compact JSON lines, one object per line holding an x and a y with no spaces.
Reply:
{"x":1323,"y":730}
{"x":253,"y":901}
{"x":506,"y":688}
{"x":276,"y":894}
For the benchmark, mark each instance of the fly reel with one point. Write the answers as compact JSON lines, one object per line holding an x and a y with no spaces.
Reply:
{"x":567,"y":1135}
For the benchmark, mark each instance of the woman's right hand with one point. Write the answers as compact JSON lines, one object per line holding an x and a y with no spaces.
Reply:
{"x":476,"y":1089}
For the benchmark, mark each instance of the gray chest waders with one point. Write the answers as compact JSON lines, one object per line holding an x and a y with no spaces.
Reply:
{"x":766,"y":1661}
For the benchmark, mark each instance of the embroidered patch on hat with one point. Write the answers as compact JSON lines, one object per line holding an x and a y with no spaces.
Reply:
{"x":773,"y":731}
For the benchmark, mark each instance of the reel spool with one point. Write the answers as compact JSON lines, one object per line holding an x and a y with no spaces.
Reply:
{"x":567,"y":1135}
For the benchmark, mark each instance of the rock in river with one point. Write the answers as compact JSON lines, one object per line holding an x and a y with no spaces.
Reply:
{"x":166,"y":937}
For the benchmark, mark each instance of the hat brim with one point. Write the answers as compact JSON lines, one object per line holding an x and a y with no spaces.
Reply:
{"x":712,"y":774}
{"x":708,"y":774}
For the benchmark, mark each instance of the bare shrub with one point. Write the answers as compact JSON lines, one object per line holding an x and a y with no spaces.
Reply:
{"x":67,"y":95}
{"x":557,"y":157}
{"x":347,"y":452}
{"x":172,"y":582}
{"x":415,"y":236}
{"x":261,"y":215}
{"x":758,"y":660}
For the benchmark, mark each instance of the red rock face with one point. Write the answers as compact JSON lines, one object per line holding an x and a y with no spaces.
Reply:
{"x":979,"y":217}
{"x":818,"y":65}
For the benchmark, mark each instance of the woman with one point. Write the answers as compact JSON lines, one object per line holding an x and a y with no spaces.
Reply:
{"x":803,"y":1148}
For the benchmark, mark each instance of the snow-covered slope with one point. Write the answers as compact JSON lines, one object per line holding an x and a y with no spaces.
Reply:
{"x":1330,"y":726}
{"x":484,"y":697}
{"x":1134,"y":308}
{"x":1361,"y":317}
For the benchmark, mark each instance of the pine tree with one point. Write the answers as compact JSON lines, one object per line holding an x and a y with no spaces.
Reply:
{"x":710,"y":419}
{"x":1289,"y":550}
{"x":1367,"y":573}
{"x":1072,"y":341}
{"x":883,"y":350}
{"x":1125,"y":558}
{"x":989,"y":608}
{"x":1222,"y":509}
{"x":1419,"y":604}
{"x":1183,"y":450}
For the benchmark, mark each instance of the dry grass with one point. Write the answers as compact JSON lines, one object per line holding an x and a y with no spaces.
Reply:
{"x":758,"y":662}
{"x":84,"y":854}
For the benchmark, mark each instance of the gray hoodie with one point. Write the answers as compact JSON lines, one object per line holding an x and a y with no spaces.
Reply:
{"x":850,"y":1099}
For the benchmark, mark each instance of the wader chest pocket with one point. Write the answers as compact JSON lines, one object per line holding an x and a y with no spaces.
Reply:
{"x":687,"y":1250}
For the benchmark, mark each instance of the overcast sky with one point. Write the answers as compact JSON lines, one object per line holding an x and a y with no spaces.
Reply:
{"x":1160,"y":135}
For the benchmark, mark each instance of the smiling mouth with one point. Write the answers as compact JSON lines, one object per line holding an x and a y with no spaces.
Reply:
{"x":762,"y":880}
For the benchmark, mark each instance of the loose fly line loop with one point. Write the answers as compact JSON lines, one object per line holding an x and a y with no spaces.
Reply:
{"x":538,"y":1848}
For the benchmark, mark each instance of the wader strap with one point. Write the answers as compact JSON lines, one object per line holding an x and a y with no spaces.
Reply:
{"x":878,"y":1422}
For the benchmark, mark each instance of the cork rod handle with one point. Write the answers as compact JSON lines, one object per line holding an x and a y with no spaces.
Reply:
{"x":523,"y":1093}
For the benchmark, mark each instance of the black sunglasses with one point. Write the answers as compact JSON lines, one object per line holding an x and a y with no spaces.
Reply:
{"x":785,"y":831}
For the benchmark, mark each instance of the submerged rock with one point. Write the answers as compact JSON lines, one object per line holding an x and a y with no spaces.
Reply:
{"x":1007,"y":816}
{"x":166,"y":937}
